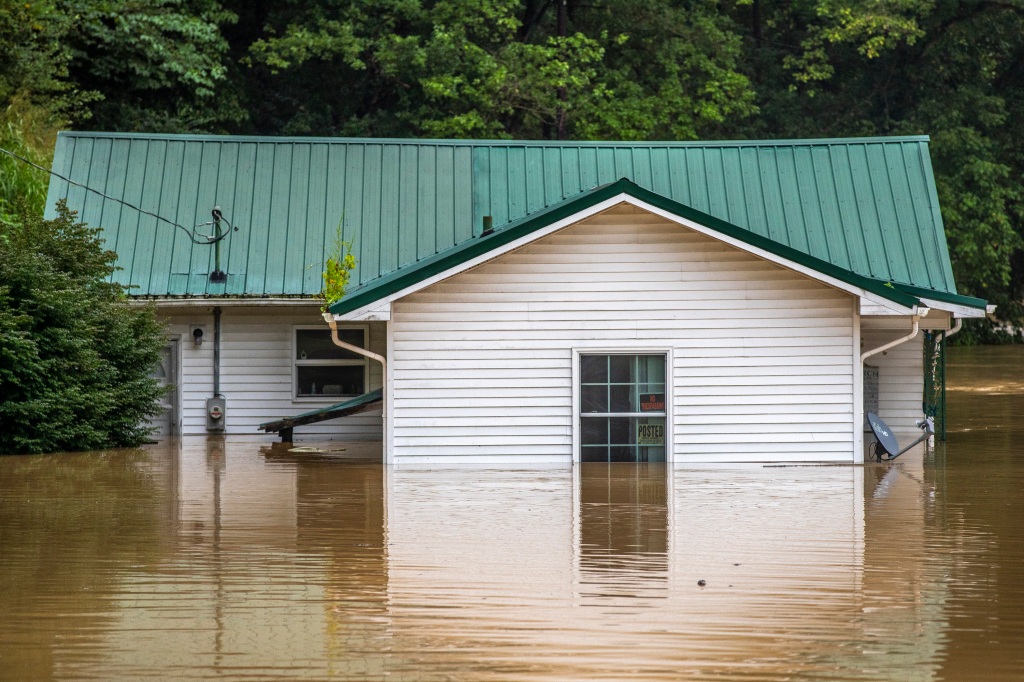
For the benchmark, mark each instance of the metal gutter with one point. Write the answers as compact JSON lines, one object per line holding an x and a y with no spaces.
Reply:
{"x":916,"y":319}
{"x":195,"y":301}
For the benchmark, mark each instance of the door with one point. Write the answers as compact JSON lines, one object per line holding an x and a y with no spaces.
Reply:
{"x":166,"y":371}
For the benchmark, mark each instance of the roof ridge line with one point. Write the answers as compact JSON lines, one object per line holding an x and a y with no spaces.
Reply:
{"x":553,"y":144}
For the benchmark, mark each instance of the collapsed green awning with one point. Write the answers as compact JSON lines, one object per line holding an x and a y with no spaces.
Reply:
{"x":343,"y":409}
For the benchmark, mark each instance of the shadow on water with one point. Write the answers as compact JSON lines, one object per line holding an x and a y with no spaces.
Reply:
{"x":233,"y":560}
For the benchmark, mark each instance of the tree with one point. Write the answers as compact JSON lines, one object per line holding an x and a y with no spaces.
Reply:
{"x":151,"y":65}
{"x":35,"y":97}
{"x":75,"y":358}
{"x":950,"y":70}
{"x":491,"y":68}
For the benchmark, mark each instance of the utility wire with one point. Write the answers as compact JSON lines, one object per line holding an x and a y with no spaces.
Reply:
{"x":208,"y":238}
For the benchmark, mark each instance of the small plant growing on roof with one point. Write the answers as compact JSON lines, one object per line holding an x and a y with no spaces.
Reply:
{"x":337,"y":271}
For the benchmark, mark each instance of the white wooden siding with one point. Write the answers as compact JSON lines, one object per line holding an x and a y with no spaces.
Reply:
{"x":256,"y":371}
{"x":900,"y":372}
{"x":762,"y":357}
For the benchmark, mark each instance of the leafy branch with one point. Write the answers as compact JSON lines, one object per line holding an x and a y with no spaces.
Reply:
{"x":337,"y":271}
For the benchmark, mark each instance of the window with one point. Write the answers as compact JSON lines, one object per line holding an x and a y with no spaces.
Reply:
{"x":323,"y":369}
{"x":622,"y":408}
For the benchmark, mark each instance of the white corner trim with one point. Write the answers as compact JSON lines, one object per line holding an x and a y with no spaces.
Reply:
{"x":858,"y":389}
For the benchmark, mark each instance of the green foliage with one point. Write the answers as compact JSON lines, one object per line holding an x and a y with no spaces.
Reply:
{"x":75,"y":357}
{"x":495,"y":68}
{"x":337,"y":271}
{"x":33,"y":60}
{"x":29,"y":132}
{"x":152,"y":65}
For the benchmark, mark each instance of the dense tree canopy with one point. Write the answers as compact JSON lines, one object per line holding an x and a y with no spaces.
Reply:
{"x":553,"y":69}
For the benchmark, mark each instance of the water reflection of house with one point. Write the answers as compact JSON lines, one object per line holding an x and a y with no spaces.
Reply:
{"x":689,"y":302}
{"x":623,"y":530}
{"x":781,"y":553}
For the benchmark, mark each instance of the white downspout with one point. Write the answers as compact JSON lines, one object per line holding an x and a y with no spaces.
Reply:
{"x":903,"y":339}
{"x":329,"y":319}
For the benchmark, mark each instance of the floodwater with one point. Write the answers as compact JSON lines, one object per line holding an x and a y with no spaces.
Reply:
{"x":238,"y":562}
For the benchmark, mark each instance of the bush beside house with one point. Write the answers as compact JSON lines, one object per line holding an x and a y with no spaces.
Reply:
{"x":75,"y":357}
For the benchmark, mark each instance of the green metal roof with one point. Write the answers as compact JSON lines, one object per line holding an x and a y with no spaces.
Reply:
{"x":394,"y":282}
{"x":866,"y":205}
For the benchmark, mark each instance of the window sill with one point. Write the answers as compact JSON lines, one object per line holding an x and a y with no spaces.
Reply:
{"x":324,"y":399}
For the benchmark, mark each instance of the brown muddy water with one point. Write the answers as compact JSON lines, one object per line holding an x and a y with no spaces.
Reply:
{"x":238,"y":562}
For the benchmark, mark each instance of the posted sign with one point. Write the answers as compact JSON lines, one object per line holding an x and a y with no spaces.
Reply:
{"x":650,"y":434}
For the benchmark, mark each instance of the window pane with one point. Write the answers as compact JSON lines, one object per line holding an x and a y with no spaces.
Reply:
{"x":620,"y":398}
{"x":621,"y":453}
{"x":594,"y":398}
{"x":316,"y":344}
{"x":650,"y":369}
{"x":621,"y":368}
{"x":620,"y":431}
{"x":594,"y":454}
{"x":594,"y":369}
{"x":330,"y":380}
{"x":595,"y":431}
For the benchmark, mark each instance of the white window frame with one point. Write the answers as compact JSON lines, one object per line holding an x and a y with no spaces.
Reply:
{"x":577,"y":427}
{"x":296,"y":362}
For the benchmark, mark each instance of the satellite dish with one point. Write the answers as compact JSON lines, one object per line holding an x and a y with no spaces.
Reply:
{"x":883,"y":434}
{"x":885,"y":441}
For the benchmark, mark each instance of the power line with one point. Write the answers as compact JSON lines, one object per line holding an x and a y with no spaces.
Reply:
{"x":207,"y":238}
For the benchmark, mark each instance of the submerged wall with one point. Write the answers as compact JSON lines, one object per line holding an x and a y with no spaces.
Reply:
{"x":761,"y":358}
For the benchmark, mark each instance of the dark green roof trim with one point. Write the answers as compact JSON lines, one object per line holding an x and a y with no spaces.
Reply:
{"x":458,"y":255}
{"x":956,"y":299}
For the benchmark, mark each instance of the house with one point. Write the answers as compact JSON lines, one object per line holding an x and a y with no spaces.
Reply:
{"x":536,"y":301}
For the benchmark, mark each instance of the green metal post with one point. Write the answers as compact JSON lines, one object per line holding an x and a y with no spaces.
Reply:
{"x":934,"y":399}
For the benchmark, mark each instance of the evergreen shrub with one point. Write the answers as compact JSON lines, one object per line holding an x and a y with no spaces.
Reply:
{"x":75,"y":357}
